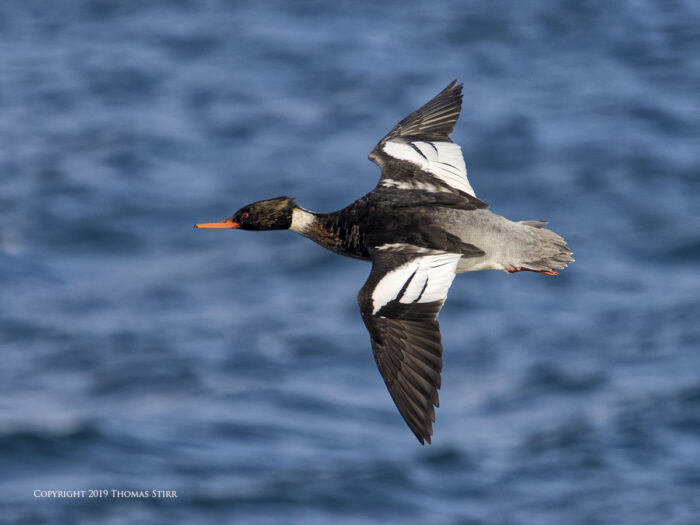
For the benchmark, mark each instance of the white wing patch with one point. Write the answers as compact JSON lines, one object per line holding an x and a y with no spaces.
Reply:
{"x":443,"y":160}
{"x":413,"y":185}
{"x":396,"y":246}
{"x":430,"y":277}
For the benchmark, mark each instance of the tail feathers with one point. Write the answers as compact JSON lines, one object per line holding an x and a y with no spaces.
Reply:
{"x":548,"y":253}
{"x":534,"y":224}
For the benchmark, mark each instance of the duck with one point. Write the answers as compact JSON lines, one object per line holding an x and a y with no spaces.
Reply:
{"x":419,"y":227}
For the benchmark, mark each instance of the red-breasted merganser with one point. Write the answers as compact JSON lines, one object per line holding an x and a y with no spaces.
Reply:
{"x":419,"y":226}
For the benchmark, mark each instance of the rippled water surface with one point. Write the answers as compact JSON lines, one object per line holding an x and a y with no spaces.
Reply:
{"x":231,"y":367}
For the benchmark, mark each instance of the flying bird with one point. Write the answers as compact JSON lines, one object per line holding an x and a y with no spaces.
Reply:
{"x":419,"y":226}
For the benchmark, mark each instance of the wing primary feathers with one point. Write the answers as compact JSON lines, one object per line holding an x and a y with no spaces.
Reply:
{"x":436,"y":118}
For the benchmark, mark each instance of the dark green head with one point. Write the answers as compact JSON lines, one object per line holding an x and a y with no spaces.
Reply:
{"x":271,"y":214}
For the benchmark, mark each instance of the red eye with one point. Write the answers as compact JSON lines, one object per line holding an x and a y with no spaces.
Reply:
{"x":244,"y":215}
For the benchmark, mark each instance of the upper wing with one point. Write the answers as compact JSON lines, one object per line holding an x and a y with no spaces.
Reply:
{"x":418,"y":153}
{"x":400,"y":303}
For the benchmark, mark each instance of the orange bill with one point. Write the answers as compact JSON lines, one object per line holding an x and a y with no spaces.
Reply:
{"x":228,"y":223}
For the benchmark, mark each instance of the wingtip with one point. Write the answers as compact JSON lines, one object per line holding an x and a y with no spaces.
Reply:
{"x":455,"y":90}
{"x":454,"y":86}
{"x":423,"y":435}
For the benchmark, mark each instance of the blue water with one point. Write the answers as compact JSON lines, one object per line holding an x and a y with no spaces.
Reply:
{"x":140,"y":354}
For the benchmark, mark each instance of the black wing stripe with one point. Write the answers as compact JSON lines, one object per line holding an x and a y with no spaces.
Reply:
{"x":425,"y":285}
{"x":417,"y":150}
{"x":402,"y":292}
